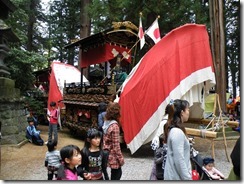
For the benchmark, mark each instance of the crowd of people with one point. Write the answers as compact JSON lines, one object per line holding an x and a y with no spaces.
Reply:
{"x":102,"y":149}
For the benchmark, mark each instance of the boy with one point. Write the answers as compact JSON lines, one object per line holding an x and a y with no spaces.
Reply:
{"x":32,"y":134}
{"x":53,"y":122}
{"x":52,"y":160}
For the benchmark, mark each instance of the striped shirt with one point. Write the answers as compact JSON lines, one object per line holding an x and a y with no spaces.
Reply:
{"x":53,"y":158}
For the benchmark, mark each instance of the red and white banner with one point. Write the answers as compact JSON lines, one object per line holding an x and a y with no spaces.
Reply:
{"x":61,"y":72}
{"x":141,"y":34}
{"x":103,"y":53}
{"x":153,"y":32}
{"x":178,"y":62}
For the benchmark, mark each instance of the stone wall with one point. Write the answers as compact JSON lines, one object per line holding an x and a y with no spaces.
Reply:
{"x":12,"y":114}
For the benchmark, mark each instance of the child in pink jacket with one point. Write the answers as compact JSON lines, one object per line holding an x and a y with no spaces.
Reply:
{"x":208,"y":166}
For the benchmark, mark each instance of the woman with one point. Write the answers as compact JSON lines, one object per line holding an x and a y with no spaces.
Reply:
{"x":178,"y":164}
{"x":111,"y":130}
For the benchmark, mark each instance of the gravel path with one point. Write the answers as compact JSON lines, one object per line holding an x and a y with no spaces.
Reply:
{"x":27,"y":161}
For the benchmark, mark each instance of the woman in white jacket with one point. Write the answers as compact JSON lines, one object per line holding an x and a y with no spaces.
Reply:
{"x":178,"y":164}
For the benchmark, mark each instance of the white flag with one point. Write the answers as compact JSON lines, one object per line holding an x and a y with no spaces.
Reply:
{"x":153,"y":32}
{"x":141,"y":34}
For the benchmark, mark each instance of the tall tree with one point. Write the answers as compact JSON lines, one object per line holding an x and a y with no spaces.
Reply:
{"x":232,"y":14}
{"x":218,"y":48}
{"x":64,"y":21}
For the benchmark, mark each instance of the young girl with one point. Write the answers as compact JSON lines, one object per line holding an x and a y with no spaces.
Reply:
{"x":94,"y":159}
{"x":71,"y":157}
{"x":52,"y":159}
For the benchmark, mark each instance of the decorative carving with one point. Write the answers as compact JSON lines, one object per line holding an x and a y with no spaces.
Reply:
{"x":127,"y":24}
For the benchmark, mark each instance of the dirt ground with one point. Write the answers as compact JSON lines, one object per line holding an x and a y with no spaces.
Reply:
{"x":27,"y":162}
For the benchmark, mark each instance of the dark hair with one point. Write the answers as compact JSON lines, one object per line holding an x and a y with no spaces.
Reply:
{"x":173,"y":109}
{"x":208,"y":160}
{"x":161,"y":139}
{"x":52,"y":104}
{"x":30,"y":119}
{"x":102,"y":106}
{"x":66,"y":152}
{"x":113,"y":111}
{"x":51,"y":145}
{"x":91,"y":134}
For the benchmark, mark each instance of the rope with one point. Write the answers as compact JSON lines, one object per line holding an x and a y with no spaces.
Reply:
{"x":211,"y":121}
{"x":203,"y":133}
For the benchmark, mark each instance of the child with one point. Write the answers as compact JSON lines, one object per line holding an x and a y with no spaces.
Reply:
{"x":53,"y":122}
{"x":52,"y":160}
{"x":71,"y":157}
{"x":160,"y":158}
{"x":102,"y":111}
{"x":94,"y":159}
{"x":32,"y":134}
{"x":208,"y":166}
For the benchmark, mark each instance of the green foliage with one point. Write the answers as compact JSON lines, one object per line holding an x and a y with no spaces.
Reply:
{"x":35,"y":105}
{"x":21,"y":64}
{"x":172,"y":13}
{"x":64,"y":25}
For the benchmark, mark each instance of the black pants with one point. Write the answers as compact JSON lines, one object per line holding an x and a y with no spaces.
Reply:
{"x":52,"y":171}
{"x":116,"y":174}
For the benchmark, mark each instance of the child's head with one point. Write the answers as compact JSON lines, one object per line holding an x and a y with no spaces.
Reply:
{"x":93,"y":138}
{"x":51,"y":145}
{"x":102,"y":107}
{"x":52,"y":104}
{"x":161,"y":139}
{"x":71,"y":156}
{"x":113,"y":111}
{"x":208,"y":163}
{"x":30,"y":120}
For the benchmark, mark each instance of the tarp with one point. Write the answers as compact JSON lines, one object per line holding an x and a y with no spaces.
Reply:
{"x":209,"y":102}
{"x":61,"y":72}
{"x":169,"y":70}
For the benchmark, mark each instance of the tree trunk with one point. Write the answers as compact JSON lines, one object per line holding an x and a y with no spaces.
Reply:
{"x":218,"y":49}
{"x":32,"y":19}
{"x":85,"y":30}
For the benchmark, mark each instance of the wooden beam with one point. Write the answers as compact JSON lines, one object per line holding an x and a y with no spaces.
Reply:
{"x":233,"y":124}
{"x":201,"y":133}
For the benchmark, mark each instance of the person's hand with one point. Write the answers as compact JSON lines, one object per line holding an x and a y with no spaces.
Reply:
{"x":87,"y":176}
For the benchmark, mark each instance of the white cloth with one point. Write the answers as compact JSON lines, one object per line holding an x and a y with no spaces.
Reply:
{"x":160,"y":130}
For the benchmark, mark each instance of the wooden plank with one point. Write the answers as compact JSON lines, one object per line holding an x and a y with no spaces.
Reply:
{"x":201,"y":133}
{"x":233,"y":124}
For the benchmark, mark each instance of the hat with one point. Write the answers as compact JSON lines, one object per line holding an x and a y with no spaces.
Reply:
{"x":208,"y":160}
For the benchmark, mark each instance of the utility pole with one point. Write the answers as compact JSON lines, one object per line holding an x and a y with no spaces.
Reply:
{"x":218,"y":48}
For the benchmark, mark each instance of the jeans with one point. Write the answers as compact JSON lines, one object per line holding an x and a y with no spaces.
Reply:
{"x":116,"y":174}
{"x":52,"y":130}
